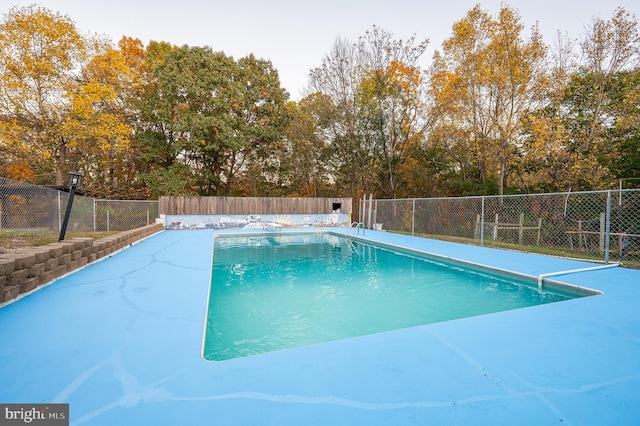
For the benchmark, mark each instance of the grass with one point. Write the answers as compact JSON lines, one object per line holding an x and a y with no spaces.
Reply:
{"x":12,"y":240}
{"x":632,"y":261}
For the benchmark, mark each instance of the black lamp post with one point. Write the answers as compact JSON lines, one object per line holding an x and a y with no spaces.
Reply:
{"x":74,"y":181}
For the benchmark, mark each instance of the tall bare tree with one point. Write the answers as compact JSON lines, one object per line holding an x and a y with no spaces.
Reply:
{"x":378,"y":107}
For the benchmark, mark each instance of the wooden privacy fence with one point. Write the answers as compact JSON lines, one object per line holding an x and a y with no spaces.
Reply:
{"x":252,"y":205}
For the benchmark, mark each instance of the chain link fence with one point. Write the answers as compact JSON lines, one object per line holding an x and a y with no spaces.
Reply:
{"x":25,"y":207}
{"x":597,"y":225}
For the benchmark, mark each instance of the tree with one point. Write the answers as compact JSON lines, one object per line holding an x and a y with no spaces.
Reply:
{"x":99,"y":124}
{"x":159,"y":144}
{"x":482,"y":84}
{"x":262,"y":115}
{"x":427,"y":172}
{"x":392,"y":104}
{"x":213,"y":114}
{"x":462,"y":125}
{"x":40,"y":53}
{"x":300,"y":160}
{"x":544,"y":161}
{"x":516,"y":80}
{"x":376,"y":108}
{"x":601,"y":94}
{"x":335,"y":86}
{"x":626,"y":133}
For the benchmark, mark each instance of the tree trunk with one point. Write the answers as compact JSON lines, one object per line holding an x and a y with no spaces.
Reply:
{"x":62,"y":159}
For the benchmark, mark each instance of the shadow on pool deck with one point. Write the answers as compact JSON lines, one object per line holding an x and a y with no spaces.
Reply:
{"x":120,"y":341}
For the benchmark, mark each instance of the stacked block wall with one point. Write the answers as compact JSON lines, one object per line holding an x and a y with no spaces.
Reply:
{"x":36,"y":266}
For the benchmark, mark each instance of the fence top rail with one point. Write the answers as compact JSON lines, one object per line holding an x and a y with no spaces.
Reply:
{"x":564,"y":194}
{"x":125,"y":201}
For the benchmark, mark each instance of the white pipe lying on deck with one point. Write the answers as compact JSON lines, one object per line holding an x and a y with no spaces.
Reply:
{"x":572,"y":271}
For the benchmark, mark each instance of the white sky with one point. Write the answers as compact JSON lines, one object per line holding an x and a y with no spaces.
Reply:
{"x":296,"y":34}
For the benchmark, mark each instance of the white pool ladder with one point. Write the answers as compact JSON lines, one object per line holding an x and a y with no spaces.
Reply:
{"x":355,"y":228}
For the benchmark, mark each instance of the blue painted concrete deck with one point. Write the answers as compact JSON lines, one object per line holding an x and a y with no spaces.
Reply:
{"x":120,"y":341}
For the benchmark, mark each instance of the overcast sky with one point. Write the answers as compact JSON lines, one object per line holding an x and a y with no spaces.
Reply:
{"x":295,"y":34}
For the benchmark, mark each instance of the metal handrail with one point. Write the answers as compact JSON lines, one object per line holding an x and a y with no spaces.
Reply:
{"x":355,"y":228}
{"x":573,"y":271}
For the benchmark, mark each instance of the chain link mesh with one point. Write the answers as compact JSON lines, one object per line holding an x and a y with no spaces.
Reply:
{"x":597,"y":225}
{"x":120,"y":215}
{"x":25,"y":207}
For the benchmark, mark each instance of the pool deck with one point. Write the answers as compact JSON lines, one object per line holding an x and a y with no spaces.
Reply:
{"x":120,"y":341}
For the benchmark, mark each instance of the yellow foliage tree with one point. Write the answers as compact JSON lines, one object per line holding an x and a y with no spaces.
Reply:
{"x":18,"y":171}
{"x":98,"y":122}
{"x":39,"y":56}
{"x":487,"y":77}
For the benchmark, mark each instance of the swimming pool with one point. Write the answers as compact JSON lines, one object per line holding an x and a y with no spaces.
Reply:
{"x":279,"y":291}
{"x":121,"y":341}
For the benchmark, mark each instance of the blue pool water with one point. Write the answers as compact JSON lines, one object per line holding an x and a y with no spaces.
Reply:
{"x":275,"y":292}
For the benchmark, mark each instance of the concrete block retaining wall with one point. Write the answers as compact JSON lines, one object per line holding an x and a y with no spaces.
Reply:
{"x":32,"y":267}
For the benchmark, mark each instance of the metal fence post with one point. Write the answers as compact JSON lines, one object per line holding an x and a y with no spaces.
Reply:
{"x":375,"y":214}
{"x":482,"y":223}
{"x":370,"y":208}
{"x":602,"y":232}
{"x":607,"y":236}
{"x":94,"y":214}
{"x":59,"y":212}
{"x":413,"y":218}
